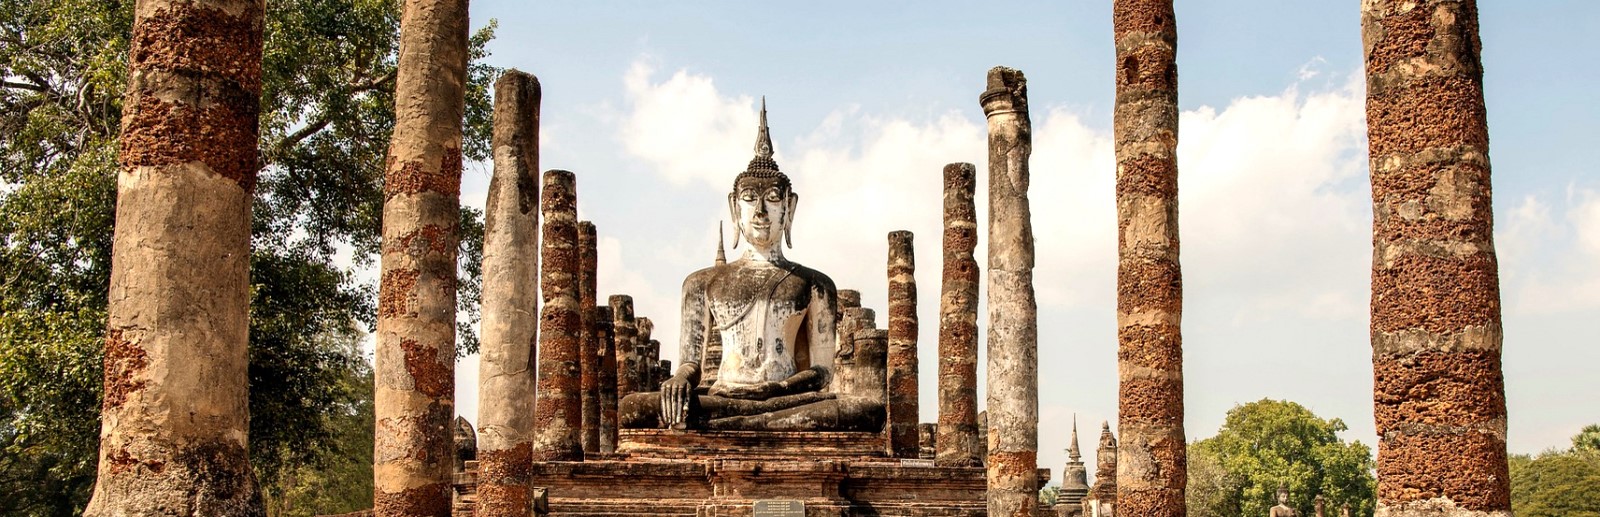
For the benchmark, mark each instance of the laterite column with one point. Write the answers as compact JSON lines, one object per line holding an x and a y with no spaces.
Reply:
{"x":589,"y":343}
{"x":1438,"y":391}
{"x":558,"y":408}
{"x":958,"y":444}
{"x":903,"y":410}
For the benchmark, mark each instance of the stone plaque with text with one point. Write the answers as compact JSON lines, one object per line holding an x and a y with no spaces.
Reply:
{"x":779,"y":508}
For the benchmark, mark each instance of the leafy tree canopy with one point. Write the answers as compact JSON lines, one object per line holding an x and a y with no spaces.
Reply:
{"x":1268,"y":442}
{"x":327,"y":111}
{"x":1559,"y":483}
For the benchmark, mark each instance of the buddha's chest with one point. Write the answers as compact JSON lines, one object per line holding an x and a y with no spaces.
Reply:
{"x":772,"y":292}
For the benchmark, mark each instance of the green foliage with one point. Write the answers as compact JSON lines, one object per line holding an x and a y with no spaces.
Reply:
{"x":1588,"y":439}
{"x":1049,"y":494}
{"x":1268,"y":442}
{"x":1559,"y":483}
{"x":327,"y":111}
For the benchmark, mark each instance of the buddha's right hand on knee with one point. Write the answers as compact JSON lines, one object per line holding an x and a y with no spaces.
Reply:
{"x":675,"y":393}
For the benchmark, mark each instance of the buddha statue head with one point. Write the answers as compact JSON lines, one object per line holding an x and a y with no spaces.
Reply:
{"x":762,"y":202}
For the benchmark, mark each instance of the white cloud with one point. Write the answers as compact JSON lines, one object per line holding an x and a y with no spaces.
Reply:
{"x":683,"y":127}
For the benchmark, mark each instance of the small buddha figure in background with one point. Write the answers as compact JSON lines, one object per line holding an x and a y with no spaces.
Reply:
{"x":776,"y":322}
{"x":1283,"y":509}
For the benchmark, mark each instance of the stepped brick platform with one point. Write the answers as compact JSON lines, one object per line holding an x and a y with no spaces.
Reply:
{"x":725,"y":473}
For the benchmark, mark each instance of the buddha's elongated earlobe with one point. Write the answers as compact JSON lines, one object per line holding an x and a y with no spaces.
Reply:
{"x":788,"y":218}
{"x":733,"y":213}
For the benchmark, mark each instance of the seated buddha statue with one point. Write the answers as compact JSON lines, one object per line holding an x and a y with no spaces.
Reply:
{"x":775,"y":320}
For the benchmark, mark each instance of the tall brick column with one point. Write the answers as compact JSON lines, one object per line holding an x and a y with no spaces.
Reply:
{"x":510,"y":302}
{"x":176,"y":415}
{"x":606,"y":345}
{"x":903,"y":410}
{"x":1152,"y":463}
{"x":1438,"y":390}
{"x":627,"y":344}
{"x":958,"y":444}
{"x":1013,"y":327}
{"x":558,"y":409}
{"x":414,"y":395}
{"x":589,"y":342}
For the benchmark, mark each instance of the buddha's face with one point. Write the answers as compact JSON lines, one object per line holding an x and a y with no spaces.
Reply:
{"x":763,"y":209}
{"x":1283,"y":498}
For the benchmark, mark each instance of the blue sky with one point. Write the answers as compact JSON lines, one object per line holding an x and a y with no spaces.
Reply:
{"x":653,"y":105}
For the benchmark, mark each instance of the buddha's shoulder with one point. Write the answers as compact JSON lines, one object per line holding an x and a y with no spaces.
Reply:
{"x":816,"y":279}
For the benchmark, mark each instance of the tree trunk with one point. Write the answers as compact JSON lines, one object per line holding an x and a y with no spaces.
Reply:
{"x":1151,"y":461}
{"x":175,"y":416}
{"x":415,"y":363}
{"x":510,"y":302}
{"x":1439,"y":394}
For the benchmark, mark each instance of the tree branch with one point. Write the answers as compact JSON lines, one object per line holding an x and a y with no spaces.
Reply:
{"x":25,"y":86}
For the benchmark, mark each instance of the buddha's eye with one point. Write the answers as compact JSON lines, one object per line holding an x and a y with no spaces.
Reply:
{"x":749,"y":196}
{"x":773,"y":196}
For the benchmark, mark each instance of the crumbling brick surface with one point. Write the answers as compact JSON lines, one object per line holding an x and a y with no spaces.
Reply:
{"x":1158,"y":347}
{"x":1396,"y":34}
{"x":430,"y":375}
{"x":430,"y":499}
{"x":1148,"y":67}
{"x":220,"y":133}
{"x":957,"y":443}
{"x":1468,"y":467}
{"x":1142,"y":16}
{"x":1144,"y":285}
{"x":395,"y":292}
{"x":1148,"y":401}
{"x":503,"y":481}
{"x":1442,"y":295}
{"x":1433,"y":111}
{"x":1158,"y":501}
{"x":124,"y":361}
{"x":191,"y":38}
{"x":441,"y":239}
{"x":1148,"y":175}
{"x":1456,"y":388}
{"x":413,"y":177}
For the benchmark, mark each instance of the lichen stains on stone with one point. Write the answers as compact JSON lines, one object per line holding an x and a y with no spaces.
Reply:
{"x":191,"y":38}
{"x":124,"y":361}
{"x":430,"y":376}
{"x":412,"y":177}
{"x":221,"y":134}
